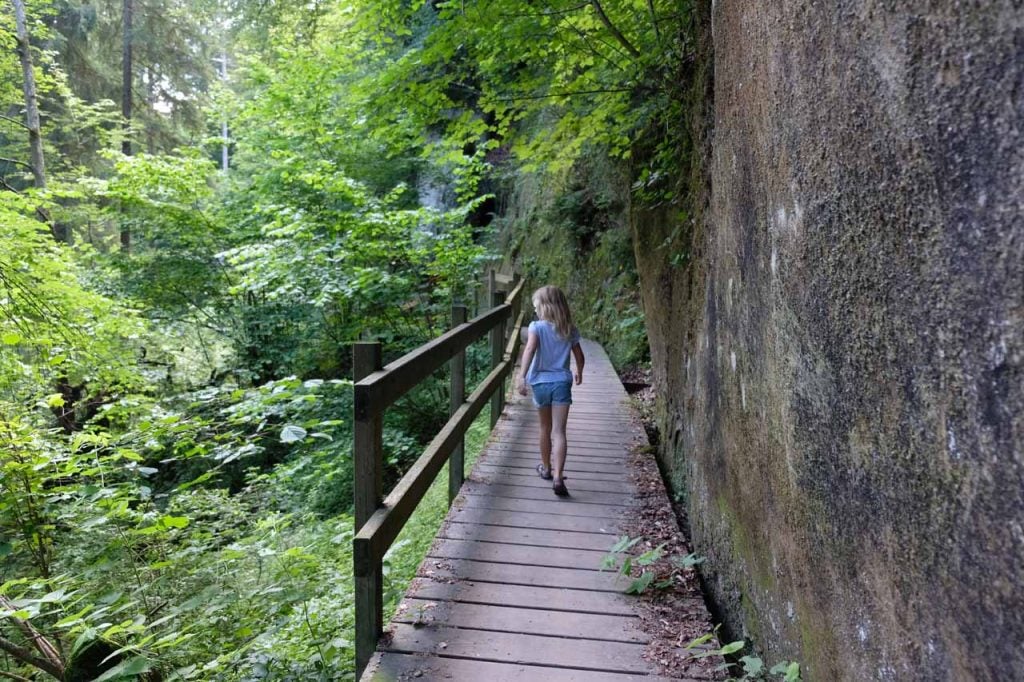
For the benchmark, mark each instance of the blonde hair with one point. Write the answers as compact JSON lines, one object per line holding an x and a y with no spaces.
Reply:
{"x":552,"y":306}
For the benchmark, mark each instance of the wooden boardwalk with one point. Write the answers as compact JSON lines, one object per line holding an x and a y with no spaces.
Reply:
{"x":511,"y":589}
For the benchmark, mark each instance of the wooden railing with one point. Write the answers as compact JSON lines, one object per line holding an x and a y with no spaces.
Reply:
{"x":378,"y":520}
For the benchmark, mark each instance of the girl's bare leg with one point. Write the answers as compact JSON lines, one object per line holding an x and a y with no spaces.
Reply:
{"x":559,"y":415}
{"x":545,"y":435}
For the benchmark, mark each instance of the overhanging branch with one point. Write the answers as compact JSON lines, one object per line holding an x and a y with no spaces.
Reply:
{"x":613,"y":29}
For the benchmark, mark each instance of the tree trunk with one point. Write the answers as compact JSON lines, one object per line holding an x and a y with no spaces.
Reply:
{"x":35,"y":136}
{"x":126,"y":98}
{"x":35,"y":139}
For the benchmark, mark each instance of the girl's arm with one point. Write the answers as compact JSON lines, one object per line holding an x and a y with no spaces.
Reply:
{"x":524,"y":366}
{"x":577,"y":352}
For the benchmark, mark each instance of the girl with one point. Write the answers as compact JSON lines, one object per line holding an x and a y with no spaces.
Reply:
{"x":547,"y":356}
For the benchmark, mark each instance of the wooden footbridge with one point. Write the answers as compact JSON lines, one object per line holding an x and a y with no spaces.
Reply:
{"x":512,"y":587}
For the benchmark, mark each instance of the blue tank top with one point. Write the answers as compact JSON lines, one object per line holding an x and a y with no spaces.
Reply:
{"x":551,"y":361}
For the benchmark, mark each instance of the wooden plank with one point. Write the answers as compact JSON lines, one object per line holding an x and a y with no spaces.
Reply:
{"x":524,"y":596}
{"x":529,"y":468}
{"x":514,"y":574}
{"x":529,"y":460}
{"x":608,"y":457}
{"x":527,"y":536}
{"x":531,"y":479}
{"x":598,"y":445}
{"x":608,"y":444}
{"x":395,"y":666}
{"x":383,"y":387}
{"x":555,"y":507}
{"x":588,"y":449}
{"x":556,"y":557}
{"x":581,"y":456}
{"x":620,"y":657}
{"x":576,"y":497}
{"x":500,"y":517}
{"x":579,"y":412}
{"x":591,"y":430}
{"x":612,"y":435}
{"x":531,"y":621}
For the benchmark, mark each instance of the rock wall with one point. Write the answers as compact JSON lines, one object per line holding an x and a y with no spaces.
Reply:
{"x":573,"y":230}
{"x":839,"y":335}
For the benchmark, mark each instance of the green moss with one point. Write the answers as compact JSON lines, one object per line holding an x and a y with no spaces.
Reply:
{"x":746,"y":549}
{"x":573,"y":231}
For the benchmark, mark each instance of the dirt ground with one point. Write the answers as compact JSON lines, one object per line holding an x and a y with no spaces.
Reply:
{"x":672,"y":608}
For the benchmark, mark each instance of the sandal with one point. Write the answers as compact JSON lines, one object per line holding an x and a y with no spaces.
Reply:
{"x":544,"y":472}
{"x":560,"y":489}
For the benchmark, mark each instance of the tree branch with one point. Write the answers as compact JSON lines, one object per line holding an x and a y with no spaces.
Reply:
{"x":570,"y":93}
{"x":614,"y":30}
{"x":552,"y":13}
{"x":14,"y":121}
{"x":16,"y":162}
{"x":586,"y":41}
{"x":3,"y":181}
{"x":12,"y":676}
{"x":43,"y":645}
{"x":654,"y":21}
{"x":26,"y":656}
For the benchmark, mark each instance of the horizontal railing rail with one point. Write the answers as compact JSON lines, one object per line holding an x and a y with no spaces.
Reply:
{"x":379,"y":521}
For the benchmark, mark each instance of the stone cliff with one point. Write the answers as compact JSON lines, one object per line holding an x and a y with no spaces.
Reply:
{"x":837,"y":333}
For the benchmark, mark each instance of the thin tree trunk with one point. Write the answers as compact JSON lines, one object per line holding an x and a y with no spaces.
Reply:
{"x":224,"y":123}
{"x":151,"y":103}
{"x":35,"y":139}
{"x":126,"y":98}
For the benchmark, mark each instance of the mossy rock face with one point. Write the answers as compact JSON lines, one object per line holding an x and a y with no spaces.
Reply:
{"x":574,"y":232}
{"x":841,"y":352}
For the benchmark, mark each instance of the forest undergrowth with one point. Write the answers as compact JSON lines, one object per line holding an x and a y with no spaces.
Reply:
{"x":203,"y":204}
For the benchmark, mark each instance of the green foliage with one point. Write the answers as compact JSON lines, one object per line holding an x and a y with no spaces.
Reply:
{"x":751,"y":667}
{"x":618,"y":559}
{"x":570,"y":74}
{"x":175,"y":452}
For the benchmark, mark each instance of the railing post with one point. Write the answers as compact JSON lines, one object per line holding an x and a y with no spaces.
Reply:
{"x":456,"y":463}
{"x":368,"y":456}
{"x":497,"y":349}
{"x":516,"y":304}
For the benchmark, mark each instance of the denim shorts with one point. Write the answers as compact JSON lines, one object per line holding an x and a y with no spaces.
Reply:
{"x":552,"y":393}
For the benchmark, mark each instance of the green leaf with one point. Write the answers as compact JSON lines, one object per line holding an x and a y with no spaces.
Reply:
{"x":689,"y":560}
{"x":649,"y":557}
{"x":130,"y":668}
{"x":640,"y":584}
{"x":752,"y":665}
{"x":10,"y":338}
{"x":292,"y":433}
{"x":703,"y":639}
{"x":731,"y":647}
{"x":624,"y":543}
{"x":793,"y":672}
{"x":174,"y":521}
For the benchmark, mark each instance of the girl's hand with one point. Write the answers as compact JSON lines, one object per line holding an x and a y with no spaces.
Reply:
{"x":579,"y":378}
{"x":522,"y":387}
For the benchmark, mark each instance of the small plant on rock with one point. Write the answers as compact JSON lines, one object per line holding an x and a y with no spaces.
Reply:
{"x":753,"y":667}
{"x":619,"y":559}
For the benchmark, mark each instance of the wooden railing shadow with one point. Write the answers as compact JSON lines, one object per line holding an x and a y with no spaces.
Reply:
{"x":378,"y":519}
